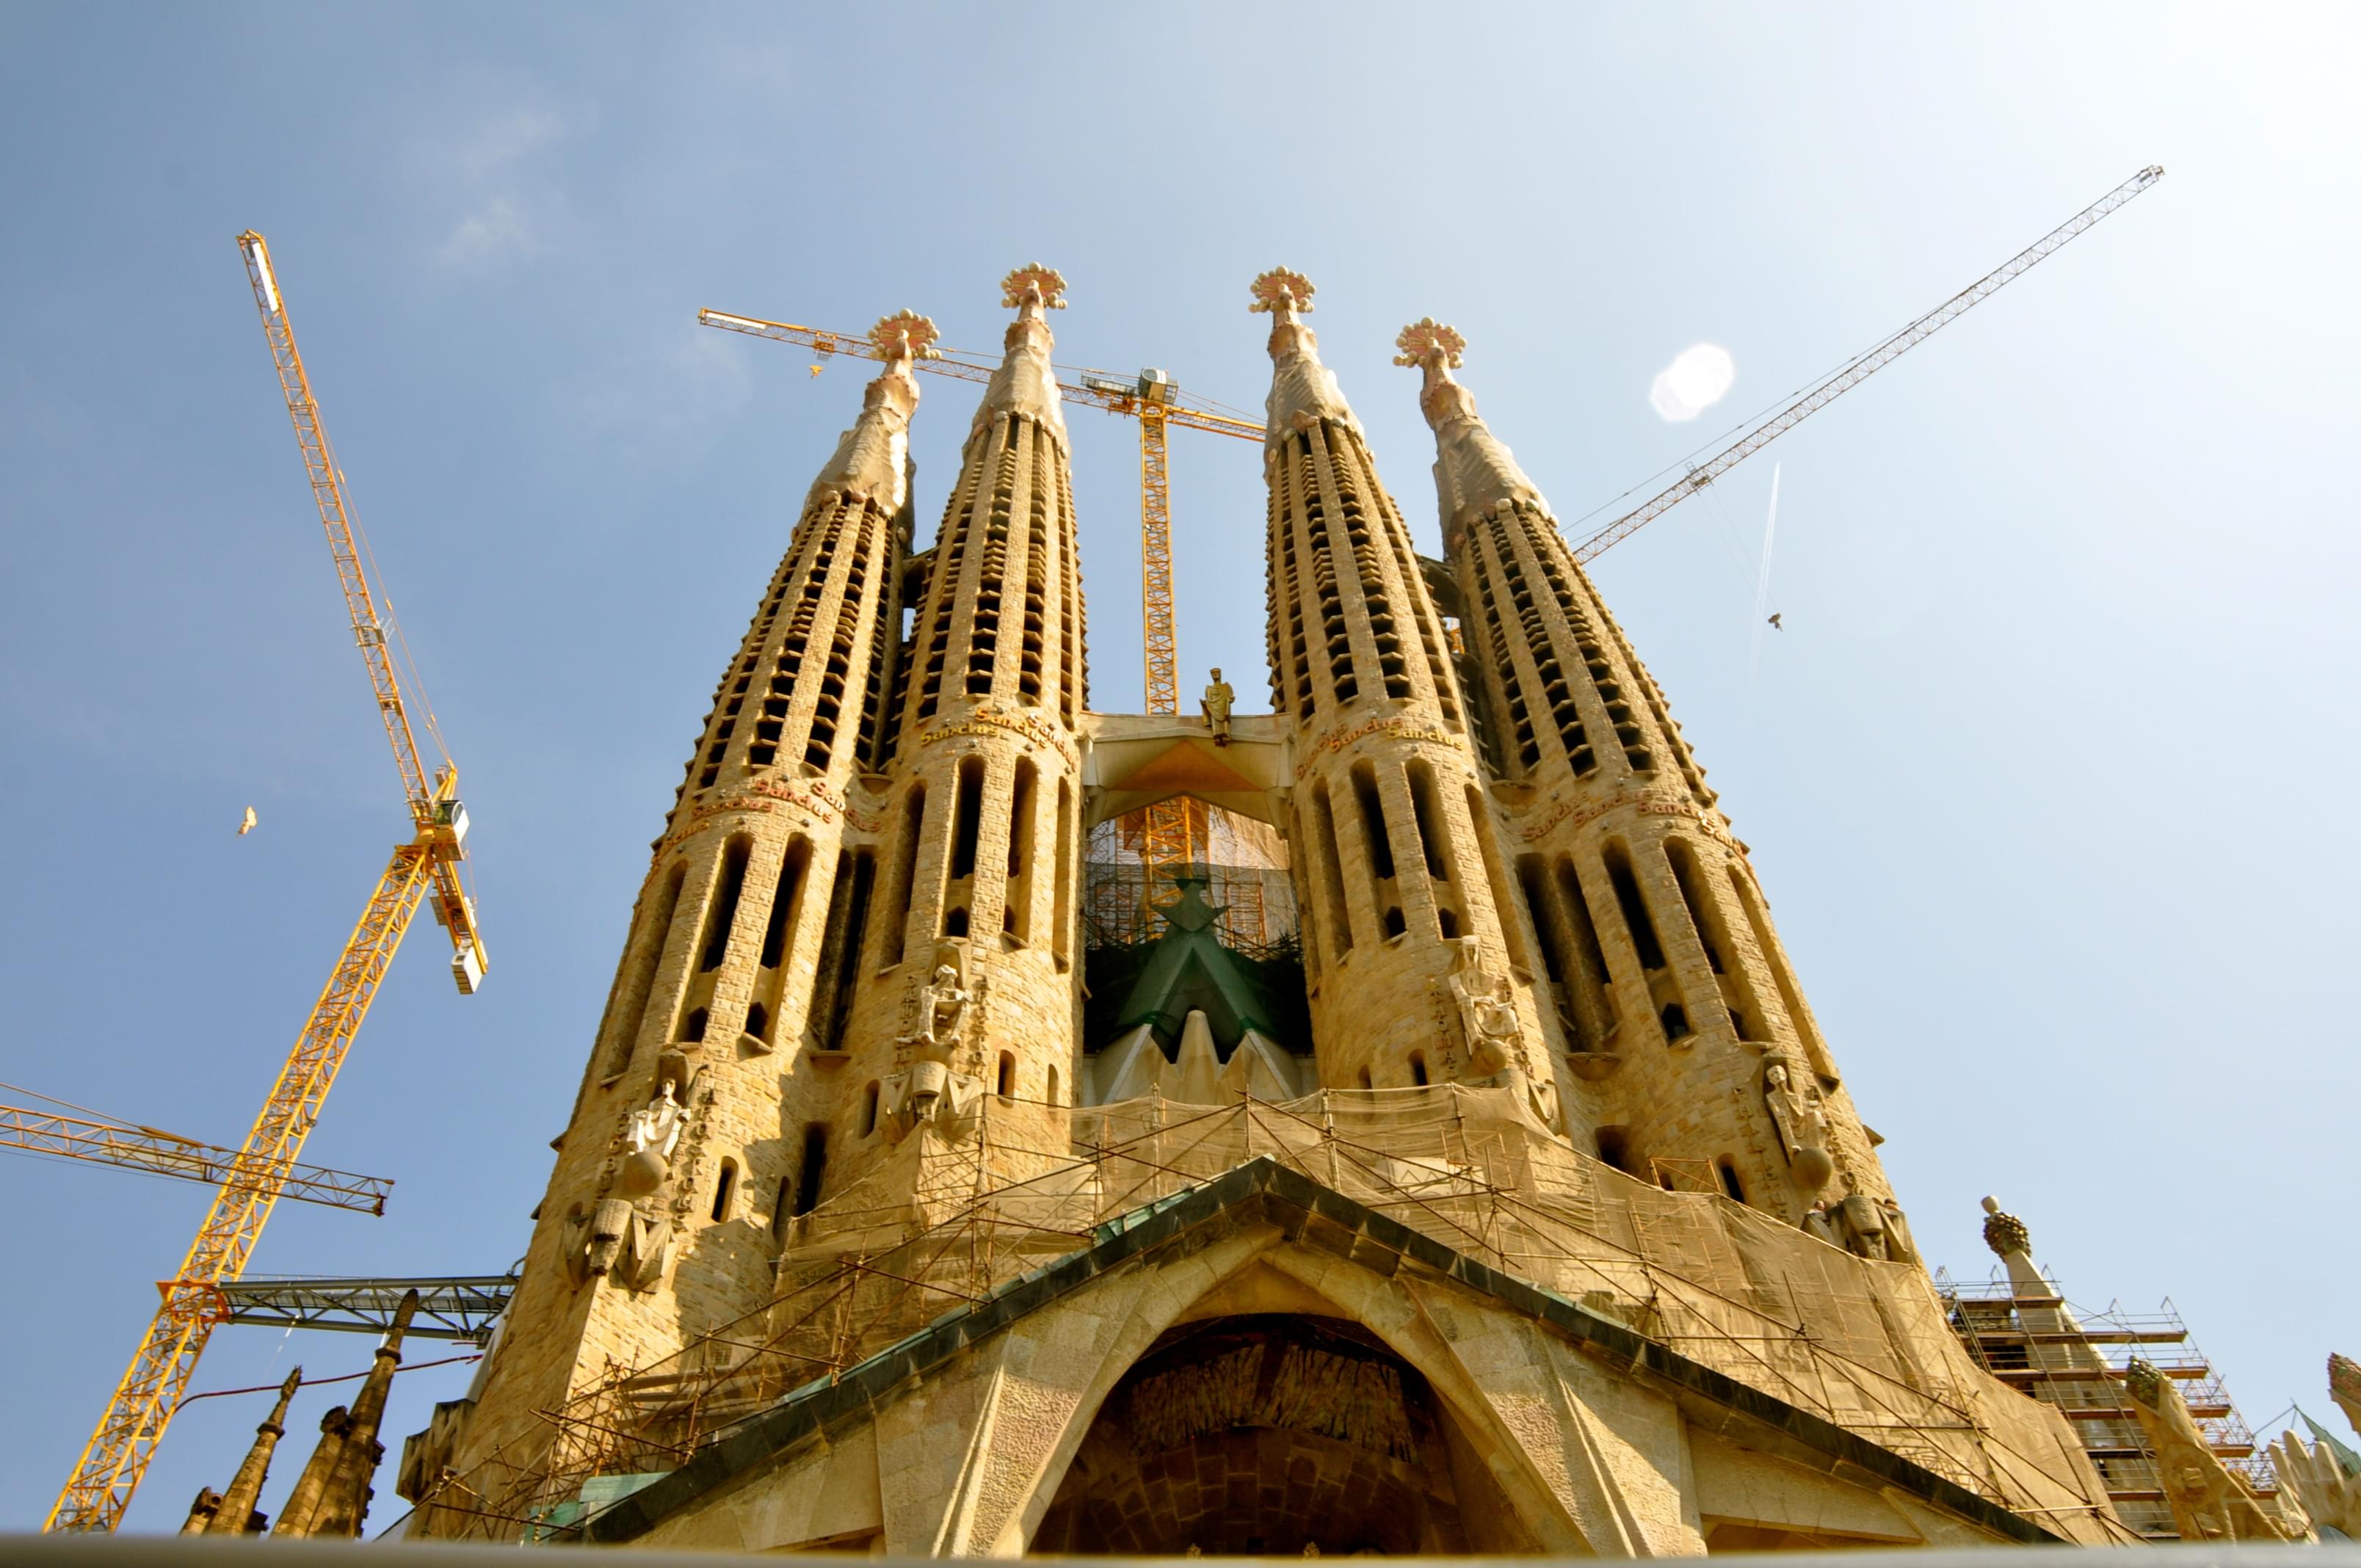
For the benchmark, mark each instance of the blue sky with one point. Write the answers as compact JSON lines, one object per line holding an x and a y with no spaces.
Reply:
{"x":2041,"y":774}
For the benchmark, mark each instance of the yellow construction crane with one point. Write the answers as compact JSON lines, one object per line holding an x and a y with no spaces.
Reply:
{"x":28,"y":1130}
{"x":1859,"y":369}
{"x":119,"y":1450}
{"x":1168,"y":829}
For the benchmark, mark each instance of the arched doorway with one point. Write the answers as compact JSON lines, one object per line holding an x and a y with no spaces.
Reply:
{"x":1270,"y":1434}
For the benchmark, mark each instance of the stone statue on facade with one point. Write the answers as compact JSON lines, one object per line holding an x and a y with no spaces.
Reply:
{"x":1818,"y":1221}
{"x":1898,"y":1244}
{"x":1795,"y":1104}
{"x":942,"y":1008}
{"x":1488,"y":1014}
{"x":1862,"y":1220}
{"x":1216,"y":703}
{"x":928,"y":1086}
{"x":2209,"y":1502}
{"x":2344,"y":1388}
{"x":2330,"y":1498}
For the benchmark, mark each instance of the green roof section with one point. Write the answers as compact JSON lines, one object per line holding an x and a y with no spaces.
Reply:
{"x":1188,"y":971}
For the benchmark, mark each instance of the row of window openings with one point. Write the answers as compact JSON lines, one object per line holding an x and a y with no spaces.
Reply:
{"x":848,"y":916}
{"x":1377,"y":841}
{"x":1576,"y":962}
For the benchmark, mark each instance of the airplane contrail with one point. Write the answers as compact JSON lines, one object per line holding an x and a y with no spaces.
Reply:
{"x":1763,"y":584}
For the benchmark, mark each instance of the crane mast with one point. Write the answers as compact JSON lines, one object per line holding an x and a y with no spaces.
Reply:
{"x":117,"y":1456}
{"x":1170,"y":830}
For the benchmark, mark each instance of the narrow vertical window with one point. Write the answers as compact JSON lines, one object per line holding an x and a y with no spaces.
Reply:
{"x":1062,"y":898}
{"x":1020,"y":851}
{"x":1006,"y":1088}
{"x":723,"y":912}
{"x":1051,"y":1095}
{"x":692,"y":1028}
{"x":1728,"y":1169}
{"x":1683,"y":866}
{"x":783,"y":1211}
{"x":778,"y":928}
{"x":1426,"y":816}
{"x":812,"y":1172}
{"x":1418,"y":1069}
{"x":640,"y":978}
{"x":725,"y":1187}
{"x":840,"y":958}
{"x":869,"y":1109}
{"x":1545,"y":925}
{"x":1636,"y":923}
{"x":783,"y":900}
{"x":1504,"y":894}
{"x":1614,"y":1146}
{"x":906,"y":870}
{"x":968,"y":819}
{"x":1331,"y":870}
{"x":1578,"y":902}
{"x":1373,"y":823}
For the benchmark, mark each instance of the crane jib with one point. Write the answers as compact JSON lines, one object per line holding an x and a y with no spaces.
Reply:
{"x":1860,"y":368}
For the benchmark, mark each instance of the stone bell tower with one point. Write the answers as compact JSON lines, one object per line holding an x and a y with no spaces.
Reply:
{"x":1677,"y":1001}
{"x":978,"y":978}
{"x":688,"y":1141}
{"x":1407,"y":958}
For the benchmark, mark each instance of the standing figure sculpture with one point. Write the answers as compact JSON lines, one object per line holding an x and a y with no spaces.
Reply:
{"x":943,"y":1005}
{"x":1216,"y":704}
{"x":1796,"y":1112}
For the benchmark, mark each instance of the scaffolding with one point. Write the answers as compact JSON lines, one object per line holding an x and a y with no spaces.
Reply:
{"x":1244,"y":864}
{"x":2049,"y":1349}
{"x":936,"y":1227}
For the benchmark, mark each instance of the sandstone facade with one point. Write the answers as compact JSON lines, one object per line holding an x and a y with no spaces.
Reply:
{"x":1558,"y":1230}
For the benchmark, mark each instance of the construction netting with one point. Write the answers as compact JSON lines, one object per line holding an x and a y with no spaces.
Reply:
{"x":1244,"y":861}
{"x":938,"y":1226}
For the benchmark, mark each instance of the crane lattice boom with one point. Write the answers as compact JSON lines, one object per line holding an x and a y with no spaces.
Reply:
{"x":37,"y":1131}
{"x":117,"y":1457}
{"x":1859,"y":369}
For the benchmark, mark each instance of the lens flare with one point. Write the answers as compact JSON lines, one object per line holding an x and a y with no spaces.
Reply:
{"x":1696,"y":381}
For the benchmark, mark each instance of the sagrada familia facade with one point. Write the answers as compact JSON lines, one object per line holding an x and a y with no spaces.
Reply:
{"x":1523,"y":1207}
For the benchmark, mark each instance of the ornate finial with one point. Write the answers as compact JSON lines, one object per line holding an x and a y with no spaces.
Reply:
{"x":904,"y":335}
{"x":1428,"y":342}
{"x":1281,"y":290}
{"x":2004,"y":1233}
{"x":1036,"y":282}
{"x":2146,"y":1383}
{"x":2343,"y":1377}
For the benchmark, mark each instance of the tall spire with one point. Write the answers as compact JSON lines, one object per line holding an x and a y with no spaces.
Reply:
{"x":1473,"y":471}
{"x":332,"y":1497}
{"x":1026,"y":383}
{"x":1304,"y":392}
{"x":234,"y":1512}
{"x":872,"y":459}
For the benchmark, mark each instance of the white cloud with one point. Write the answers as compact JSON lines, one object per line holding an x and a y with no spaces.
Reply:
{"x":496,"y":170}
{"x":665,"y":400}
{"x":498,"y":231}
{"x":1696,"y":381}
{"x":492,"y":146}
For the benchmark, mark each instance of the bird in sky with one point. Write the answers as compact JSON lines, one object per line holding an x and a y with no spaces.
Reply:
{"x":246,"y":824}
{"x":818,"y":369}
{"x":1775,"y":624}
